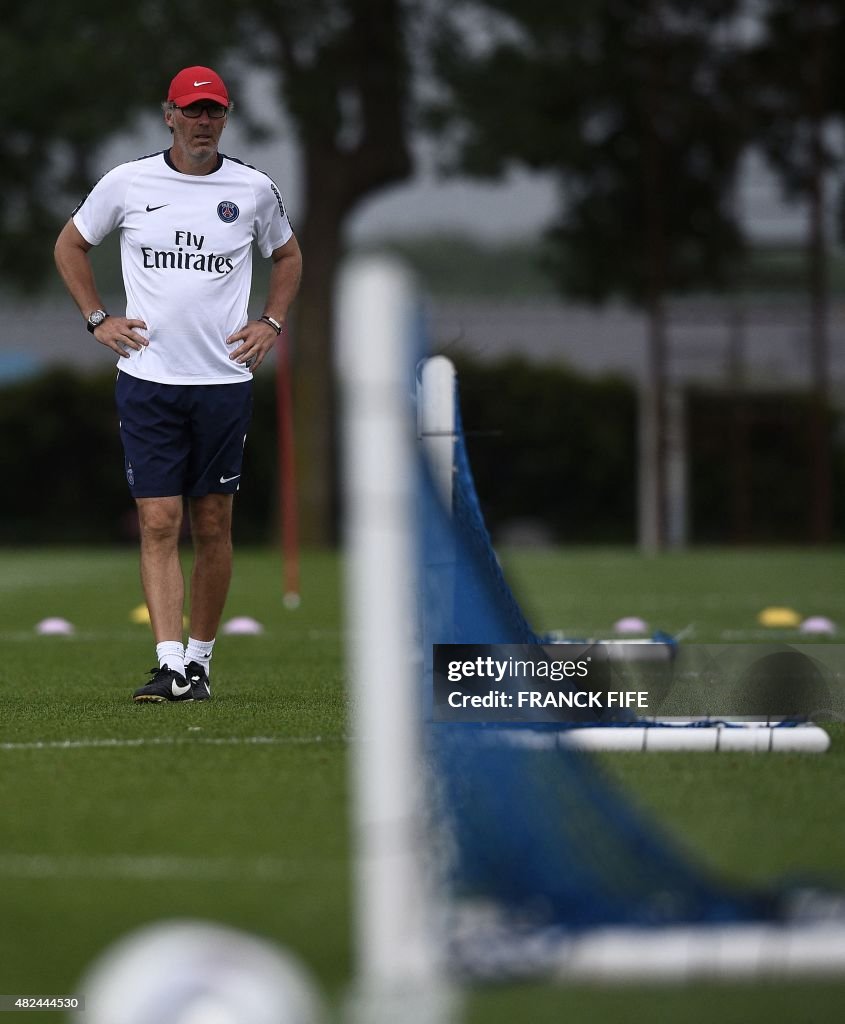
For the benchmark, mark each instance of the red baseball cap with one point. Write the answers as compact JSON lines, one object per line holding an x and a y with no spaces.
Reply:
{"x":197,"y":83}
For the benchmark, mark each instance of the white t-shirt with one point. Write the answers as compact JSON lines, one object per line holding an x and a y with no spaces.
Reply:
{"x":186,"y":252}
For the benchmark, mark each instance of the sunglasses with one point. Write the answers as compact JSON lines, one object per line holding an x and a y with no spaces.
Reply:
{"x":214,"y":110}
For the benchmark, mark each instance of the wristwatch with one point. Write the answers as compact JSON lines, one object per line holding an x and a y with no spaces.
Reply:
{"x":95,"y":319}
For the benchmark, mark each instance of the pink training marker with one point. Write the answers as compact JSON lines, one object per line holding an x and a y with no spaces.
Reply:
{"x":55,"y":627}
{"x":629,"y":625}
{"x":819,"y":625}
{"x":243,"y":625}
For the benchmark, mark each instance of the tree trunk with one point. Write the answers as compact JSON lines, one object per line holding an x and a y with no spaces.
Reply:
{"x":653,"y":499}
{"x":349,"y":97}
{"x":652,"y":527}
{"x":336,"y":182}
{"x":820,"y":454}
{"x":313,"y":363}
{"x":739,"y":448}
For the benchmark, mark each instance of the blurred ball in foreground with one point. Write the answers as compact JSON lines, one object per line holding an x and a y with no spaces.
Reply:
{"x":195,"y":972}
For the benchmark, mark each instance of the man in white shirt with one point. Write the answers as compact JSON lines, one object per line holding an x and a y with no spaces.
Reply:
{"x":188,"y":218}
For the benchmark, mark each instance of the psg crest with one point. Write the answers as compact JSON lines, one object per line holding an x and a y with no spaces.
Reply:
{"x":227,"y":212}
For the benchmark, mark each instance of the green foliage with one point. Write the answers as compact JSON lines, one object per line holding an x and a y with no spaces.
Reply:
{"x":61,"y":460}
{"x":70,"y":77}
{"x":559,"y":451}
{"x":547,"y":447}
{"x":62,"y":463}
{"x":552,"y":448}
{"x":751,"y":466}
{"x":633,"y":107}
{"x":790,"y":110}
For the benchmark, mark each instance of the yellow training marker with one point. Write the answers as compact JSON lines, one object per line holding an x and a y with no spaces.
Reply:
{"x":140,"y":615}
{"x":779,"y":618}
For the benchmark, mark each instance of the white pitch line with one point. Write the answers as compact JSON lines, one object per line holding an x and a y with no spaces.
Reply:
{"x":164,"y":741}
{"x":156,"y":867}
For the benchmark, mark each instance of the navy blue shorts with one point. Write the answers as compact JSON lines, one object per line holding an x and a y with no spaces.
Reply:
{"x":182,"y":439}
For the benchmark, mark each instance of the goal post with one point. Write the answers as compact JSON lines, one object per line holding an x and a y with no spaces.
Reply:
{"x":397,"y":971}
{"x":436,"y":421}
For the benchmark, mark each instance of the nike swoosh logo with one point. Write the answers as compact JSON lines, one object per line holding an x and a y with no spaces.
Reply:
{"x":197,"y":679}
{"x":150,"y":209}
{"x":226,"y":479}
{"x":179,"y":691}
{"x":198,"y":84}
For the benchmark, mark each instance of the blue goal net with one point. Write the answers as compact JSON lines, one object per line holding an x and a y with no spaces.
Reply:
{"x":537,"y":842}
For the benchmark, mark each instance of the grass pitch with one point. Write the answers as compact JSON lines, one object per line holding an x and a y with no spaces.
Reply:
{"x":235,"y":810}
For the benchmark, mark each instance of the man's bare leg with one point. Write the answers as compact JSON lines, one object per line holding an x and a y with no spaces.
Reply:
{"x":211,"y":529}
{"x":161,"y":571}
